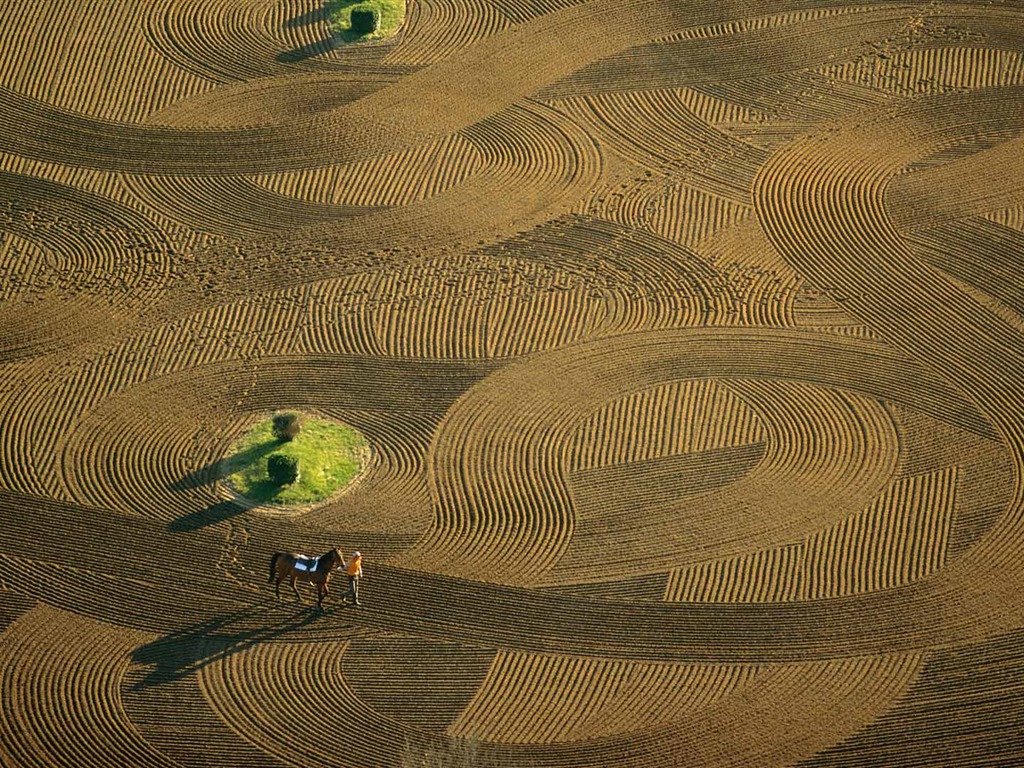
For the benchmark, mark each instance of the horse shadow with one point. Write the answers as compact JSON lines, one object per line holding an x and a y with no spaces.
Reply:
{"x":185,"y":652}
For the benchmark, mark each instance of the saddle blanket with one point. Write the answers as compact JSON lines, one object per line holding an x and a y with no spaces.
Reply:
{"x":306,"y":563}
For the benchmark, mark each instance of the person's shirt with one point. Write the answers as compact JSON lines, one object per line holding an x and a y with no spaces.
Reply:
{"x":355,"y":567}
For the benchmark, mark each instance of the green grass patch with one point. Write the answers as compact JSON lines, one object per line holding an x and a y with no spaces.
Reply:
{"x":339,"y":14}
{"x":329,"y":455}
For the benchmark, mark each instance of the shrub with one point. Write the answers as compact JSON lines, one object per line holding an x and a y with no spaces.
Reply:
{"x":283,"y":470}
{"x":287,"y":426}
{"x":365,"y":21}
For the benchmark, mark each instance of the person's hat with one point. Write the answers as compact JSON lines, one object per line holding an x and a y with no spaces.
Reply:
{"x":356,"y":554}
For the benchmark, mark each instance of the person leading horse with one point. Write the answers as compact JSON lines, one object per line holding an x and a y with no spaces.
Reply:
{"x":296,"y":567}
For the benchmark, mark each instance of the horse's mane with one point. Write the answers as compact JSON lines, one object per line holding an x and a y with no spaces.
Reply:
{"x":326,"y":555}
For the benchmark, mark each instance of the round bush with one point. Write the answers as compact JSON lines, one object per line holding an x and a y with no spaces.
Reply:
{"x":365,"y":21}
{"x":282,"y":469}
{"x":287,"y":426}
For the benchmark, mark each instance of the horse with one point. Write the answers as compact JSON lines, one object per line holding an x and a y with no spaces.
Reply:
{"x":296,"y":567}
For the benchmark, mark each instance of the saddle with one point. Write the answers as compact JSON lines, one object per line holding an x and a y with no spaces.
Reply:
{"x":303,"y":563}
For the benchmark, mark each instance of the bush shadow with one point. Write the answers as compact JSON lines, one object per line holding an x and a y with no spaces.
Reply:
{"x":307,"y":51}
{"x":309,"y":17}
{"x":201,"y":518}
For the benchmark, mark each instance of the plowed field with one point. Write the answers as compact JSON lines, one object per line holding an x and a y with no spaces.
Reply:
{"x":688,"y":338}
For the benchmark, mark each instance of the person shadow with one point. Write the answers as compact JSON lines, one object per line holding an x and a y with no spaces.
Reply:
{"x":185,"y":652}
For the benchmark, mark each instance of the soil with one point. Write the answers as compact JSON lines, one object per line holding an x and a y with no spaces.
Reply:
{"x":687,"y":338}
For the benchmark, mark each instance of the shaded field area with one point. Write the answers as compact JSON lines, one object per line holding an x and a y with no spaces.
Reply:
{"x":687,"y":338}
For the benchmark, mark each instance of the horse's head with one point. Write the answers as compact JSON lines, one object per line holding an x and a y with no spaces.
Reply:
{"x":338,"y":558}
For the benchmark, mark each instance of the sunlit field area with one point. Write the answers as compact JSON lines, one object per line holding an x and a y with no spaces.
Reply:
{"x":681,"y":346}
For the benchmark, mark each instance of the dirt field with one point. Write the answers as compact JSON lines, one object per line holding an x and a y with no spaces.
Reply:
{"x":688,"y":338}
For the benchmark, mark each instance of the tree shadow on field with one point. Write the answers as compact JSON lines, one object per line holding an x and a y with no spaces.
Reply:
{"x":307,"y":51}
{"x":309,"y":17}
{"x":205,"y":476}
{"x":186,"y":651}
{"x":201,"y":518}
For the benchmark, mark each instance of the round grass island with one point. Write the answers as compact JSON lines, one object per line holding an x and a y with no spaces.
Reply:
{"x":330,"y":456}
{"x":350,"y":19}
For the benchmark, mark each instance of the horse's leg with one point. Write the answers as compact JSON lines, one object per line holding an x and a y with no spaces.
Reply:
{"x":296,"y":590}
{"x":277,"y":588}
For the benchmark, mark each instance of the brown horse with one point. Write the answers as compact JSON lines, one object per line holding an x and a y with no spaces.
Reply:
{"x":296,"y":567}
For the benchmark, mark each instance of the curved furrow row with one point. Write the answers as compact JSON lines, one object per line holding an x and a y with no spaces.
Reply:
{"x":825,"y":457}
{"x":520,"y":11}
{"x":764,"y":576}
{"x":288,"y":322}
{"x":507,"y":67}
{"x":237,"y":40}
{"x":685,"y":214}
{"x":444,"y":308}
{"x":912,"y":203}
{"x":283,"y":99}
{"x":934,"y":70}
{"x":715,"y":111}
{"x":825,"y":438}
{"x":100,"y":261}
{"x":903,"y":537}
{"x":273,"y":693}
{"x":828,"y":196}
{"x":682,"y":417}
{"x":463,"y":328}
{"x":546,"y":699}
{"x":269,"y":692}
{"x":980,"y":256}
{"x":236,"y":207}
{"x":552,"y":163}
{"x":498,"y":466}
{"x":747,"y":727}
{"x":646,"y":280}
{"x":302,"y":27}
{"x":754,"y":23}
{"x":680,"y":213}
{"x":791,"y":42}
{"x":152,"y":449}
{"x":399,"y":179}
{"x":60,"y":691}
{"x":422,"y":683}
{"x":817,"y":311}
{"x":26,"y":413}
{"x":985,"y":475}
{"x":1011,"y":218}
{"x":656,"y":130}
{"x":745,"y":246}
{"x":434,"y":29}
{"x":125,"y":456}
{"x":163,"y":679}
{"x":534,"y":141}
{"x":391,"y":497}
{"x":98,"y":64}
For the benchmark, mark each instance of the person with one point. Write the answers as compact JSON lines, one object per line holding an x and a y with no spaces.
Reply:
{"x":354,"y":569}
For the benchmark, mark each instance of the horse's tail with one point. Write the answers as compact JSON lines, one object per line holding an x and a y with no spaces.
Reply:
{"x":273,"y":566}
